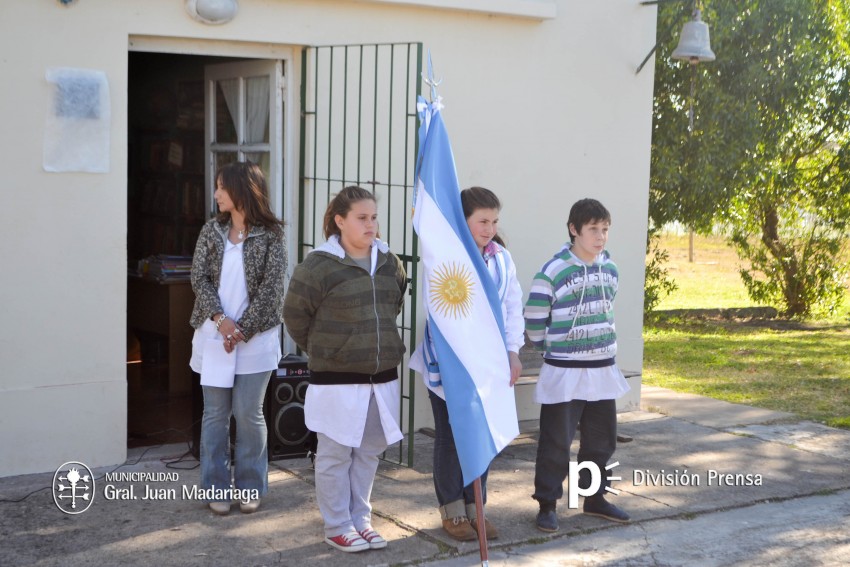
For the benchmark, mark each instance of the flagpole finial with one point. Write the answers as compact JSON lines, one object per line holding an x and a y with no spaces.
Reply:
{"x":429,"y":79}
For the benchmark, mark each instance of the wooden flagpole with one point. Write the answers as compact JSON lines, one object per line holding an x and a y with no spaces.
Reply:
{"x":482,"y":532}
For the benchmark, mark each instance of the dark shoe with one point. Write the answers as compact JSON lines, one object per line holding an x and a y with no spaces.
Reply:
{"x":459,"y":528}
{"x":489,"y":529}
{"x":547,"y":517}
{"x":598,"y":506}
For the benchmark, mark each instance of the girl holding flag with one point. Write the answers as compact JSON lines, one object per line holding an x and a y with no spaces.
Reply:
{"x":457,"y":503}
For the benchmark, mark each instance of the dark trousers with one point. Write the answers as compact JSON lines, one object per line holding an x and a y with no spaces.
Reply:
{"x":597,"y":422}
{"x":448,"y":477}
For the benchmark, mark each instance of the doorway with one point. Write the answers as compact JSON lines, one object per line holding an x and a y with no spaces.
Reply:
{"x":354,"y":107}
{"x":187,"y":115}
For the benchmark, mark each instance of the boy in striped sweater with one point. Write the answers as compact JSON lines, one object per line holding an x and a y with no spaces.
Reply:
{"x":569,"y":316}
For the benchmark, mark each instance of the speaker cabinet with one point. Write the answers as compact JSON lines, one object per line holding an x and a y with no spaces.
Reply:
{"x":289,"y":437}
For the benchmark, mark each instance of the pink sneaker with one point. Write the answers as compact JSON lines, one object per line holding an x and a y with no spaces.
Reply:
{"x":373,"y":538}
{"x":350,"y":542}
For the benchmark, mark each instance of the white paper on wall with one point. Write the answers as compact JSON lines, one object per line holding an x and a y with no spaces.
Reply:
{"x":76,"y":134}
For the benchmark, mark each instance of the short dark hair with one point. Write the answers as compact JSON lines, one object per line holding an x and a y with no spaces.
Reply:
{"x":586,"y":211}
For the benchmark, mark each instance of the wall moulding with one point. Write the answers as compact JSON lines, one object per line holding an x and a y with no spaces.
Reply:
{"x":533,"y":9}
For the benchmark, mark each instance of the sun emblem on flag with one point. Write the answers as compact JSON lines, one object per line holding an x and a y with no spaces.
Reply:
{"x":451,"y":290}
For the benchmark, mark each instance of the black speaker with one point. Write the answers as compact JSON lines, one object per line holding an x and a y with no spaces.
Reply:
{"x":289,"y":437}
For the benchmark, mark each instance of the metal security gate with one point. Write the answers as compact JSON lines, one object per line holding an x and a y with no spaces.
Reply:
{"x":359,"y":127}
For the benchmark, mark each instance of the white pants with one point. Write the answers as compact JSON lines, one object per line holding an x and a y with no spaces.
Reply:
{"x":344,"y":477}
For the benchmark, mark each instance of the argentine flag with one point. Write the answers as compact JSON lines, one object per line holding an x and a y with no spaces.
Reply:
{"x":463,"y":307}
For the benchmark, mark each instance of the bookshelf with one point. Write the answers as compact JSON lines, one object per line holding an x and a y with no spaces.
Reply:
{"x":166,"y":172}
{"x":165,"y":210}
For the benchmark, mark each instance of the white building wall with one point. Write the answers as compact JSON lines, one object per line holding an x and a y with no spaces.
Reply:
{"x":542,"y":110}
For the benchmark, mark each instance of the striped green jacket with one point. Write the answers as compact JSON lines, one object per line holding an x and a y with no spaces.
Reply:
{"x":344,"y":318}
{"x":569,"y":313}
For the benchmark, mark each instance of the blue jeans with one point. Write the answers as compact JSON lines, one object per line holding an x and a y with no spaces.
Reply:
{"x":597,"y":422}
{"x":448,"y":477}
{"x":245,"y":402}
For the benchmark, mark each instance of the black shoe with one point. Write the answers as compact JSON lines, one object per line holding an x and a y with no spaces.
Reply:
{"x":547,"y":517}
{"x":598,"y":506}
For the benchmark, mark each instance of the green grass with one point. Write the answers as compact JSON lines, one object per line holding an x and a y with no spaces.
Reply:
{"x":711,"y":281}
{"x":802,"y":368}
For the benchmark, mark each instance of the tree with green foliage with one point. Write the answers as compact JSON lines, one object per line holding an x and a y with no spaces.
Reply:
{"x":769,"y":155}
{"x":657,"y":283}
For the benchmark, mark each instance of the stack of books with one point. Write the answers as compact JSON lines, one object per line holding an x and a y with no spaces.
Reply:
{"x":166,"y":267}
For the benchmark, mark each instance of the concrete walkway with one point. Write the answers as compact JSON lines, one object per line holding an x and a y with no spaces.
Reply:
{"x":706,"y":483}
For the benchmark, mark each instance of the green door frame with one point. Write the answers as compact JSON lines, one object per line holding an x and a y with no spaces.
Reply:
{"x":359,"y":127}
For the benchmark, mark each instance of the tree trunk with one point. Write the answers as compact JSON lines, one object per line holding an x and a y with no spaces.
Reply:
{"x":783,"y":254}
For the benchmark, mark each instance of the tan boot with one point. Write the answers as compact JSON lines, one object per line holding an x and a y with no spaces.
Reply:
{"x":489,"y":529}
{"x":459,"y":528}
{"x":455,"y":522}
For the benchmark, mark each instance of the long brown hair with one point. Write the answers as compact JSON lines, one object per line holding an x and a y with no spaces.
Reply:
{"x":341,"y":204}
{"x":476,"y":198}
{"x":246,"y":185}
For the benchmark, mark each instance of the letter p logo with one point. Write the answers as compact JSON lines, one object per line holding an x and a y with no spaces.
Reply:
{"x":574,"y":491}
